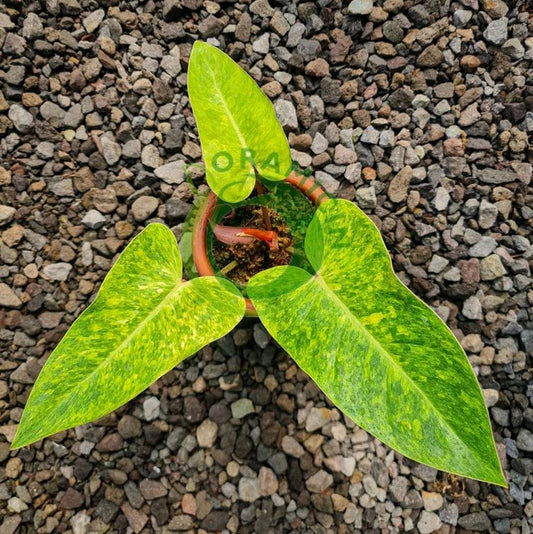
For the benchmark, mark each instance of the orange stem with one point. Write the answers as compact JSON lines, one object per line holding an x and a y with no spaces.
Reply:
{"x":268,"y":236}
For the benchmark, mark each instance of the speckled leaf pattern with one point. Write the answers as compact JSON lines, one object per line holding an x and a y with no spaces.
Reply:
{"x":144,"y":321}
{"x":237,"y":125}
{"x":376,"y":350}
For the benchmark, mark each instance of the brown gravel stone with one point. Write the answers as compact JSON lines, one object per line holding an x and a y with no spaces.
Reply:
{"x":14,"y":467}
{"x":430,"y":57}
{"x":124,"y":229}
{"x":318,"y":67}
{"x":72,"y":499}
{"x":399,"y":185}
{"x":188,"y":504}
{"x":453,"y":147}
{"x":470,"y":63}
{"x":110,"y":443}
{"x":136,"y":519}
{"x":470,"y":271}
{"x":30,"y":100}
{"x":129,"y":427}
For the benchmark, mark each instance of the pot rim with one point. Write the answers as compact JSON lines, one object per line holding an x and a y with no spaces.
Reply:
{"x":305,"y":184}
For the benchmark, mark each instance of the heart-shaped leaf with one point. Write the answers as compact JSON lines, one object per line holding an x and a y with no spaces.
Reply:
{"x":237,"y":124}
{"x":376,"y":350}
{"x":144,"y":321}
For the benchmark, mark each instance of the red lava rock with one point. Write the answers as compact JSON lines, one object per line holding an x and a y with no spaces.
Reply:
{"x":318,"y":67}
{"x":71,"y":500}
{"x":110,"y":443}
{"x":188,"y":504}
{"x":470,"y":271}
{"x":453,"y":147}
{"x":136,"y":518}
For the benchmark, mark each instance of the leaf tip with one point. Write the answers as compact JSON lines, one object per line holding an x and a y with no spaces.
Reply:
{"x":490,"y":472}
{"x":502,"y":482}
{"x":498,"y":478}
{"x":201,"y":46}
{"x":156,"y":227}
{"x":19,"y":441}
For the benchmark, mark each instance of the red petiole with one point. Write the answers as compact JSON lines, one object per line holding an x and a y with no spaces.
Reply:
{"x":231,"y":235}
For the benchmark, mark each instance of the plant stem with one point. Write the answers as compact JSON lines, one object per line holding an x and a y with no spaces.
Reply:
{"x":264,"y":210}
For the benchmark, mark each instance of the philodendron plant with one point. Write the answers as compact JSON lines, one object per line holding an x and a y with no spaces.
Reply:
{"x":381,"y":355}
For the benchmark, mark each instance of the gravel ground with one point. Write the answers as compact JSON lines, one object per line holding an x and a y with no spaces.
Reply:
{"x":420,"y":112}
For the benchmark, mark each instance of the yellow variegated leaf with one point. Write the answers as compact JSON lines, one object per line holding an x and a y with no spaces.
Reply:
{"x":375,"y":349}
{"x":144,"y":321}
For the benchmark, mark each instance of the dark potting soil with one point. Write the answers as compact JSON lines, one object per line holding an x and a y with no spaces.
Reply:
{"x":241,"y":261}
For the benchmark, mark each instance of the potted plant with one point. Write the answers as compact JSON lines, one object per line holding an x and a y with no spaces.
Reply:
{"x":292,"y":201}
{"x":316,"y":272}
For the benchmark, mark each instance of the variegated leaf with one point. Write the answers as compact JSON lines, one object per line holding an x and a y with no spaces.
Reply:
{"x":144,"y":321}
{"x":237,"y":125}
{"x":376,"y":350}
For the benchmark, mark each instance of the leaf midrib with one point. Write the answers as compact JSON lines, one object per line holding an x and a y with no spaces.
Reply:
{"x":172,"y":293}
{"x":227,"y":109}
{"x":381,"y":350}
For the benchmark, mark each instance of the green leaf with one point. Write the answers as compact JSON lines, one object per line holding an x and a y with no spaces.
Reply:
{"x":144,"y":321}
{"x":376,"y":350}
{"x":237,"y":125}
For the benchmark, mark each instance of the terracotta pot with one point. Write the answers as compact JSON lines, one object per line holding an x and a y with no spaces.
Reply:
{"x":306,"y":185}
